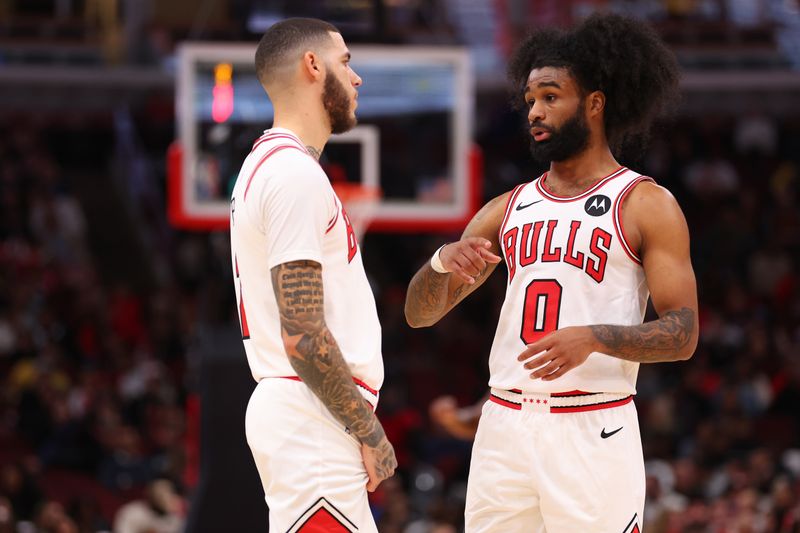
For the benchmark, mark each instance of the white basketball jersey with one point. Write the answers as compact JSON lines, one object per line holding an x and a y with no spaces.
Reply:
{"x":284,"y":209}
{"x":568,"y":265}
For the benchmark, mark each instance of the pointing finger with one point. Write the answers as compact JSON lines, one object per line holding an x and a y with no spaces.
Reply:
{"x":475,"y":260}
{"x":477,"y":242}
{"x":488,"y":256}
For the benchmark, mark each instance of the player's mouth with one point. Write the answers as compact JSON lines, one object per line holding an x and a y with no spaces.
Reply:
{"x":540,"y":134}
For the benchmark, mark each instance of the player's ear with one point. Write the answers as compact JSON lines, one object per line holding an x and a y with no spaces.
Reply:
{"x":595,"y":103}
{"x":312,"y":65}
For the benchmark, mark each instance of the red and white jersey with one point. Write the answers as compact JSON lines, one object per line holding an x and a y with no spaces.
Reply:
{"x":568,"y":265}
{"x":284,"y":209}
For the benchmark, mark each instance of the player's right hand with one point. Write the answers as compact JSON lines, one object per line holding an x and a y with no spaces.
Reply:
{"x":467,"y":258}
{"x":380,"y":462}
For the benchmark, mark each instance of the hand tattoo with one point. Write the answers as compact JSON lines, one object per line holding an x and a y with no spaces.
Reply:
{"x":385,"y":460}
{"x":314,"y":353}
{"x":658,"y":340}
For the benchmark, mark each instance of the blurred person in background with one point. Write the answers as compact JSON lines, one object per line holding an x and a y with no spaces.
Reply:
{"x":308,"y":317}
{"x":160,"y":511}
{"x":460,"y":422}
{"x":585,"y":246}
{"x":52,"y":518}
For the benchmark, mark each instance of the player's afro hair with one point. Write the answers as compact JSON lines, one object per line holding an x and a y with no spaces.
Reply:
{"x":622,"y":57}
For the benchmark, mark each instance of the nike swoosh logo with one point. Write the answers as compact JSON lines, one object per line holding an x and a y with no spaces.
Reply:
{"x":520,"y":207}
{"x":604,"y":435}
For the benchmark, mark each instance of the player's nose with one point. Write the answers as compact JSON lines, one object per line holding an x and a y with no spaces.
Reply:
{"x":536,"y":113}
{"x":356,"y":79}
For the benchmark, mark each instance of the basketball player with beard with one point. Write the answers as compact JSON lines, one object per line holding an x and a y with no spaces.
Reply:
{"x":307,"y":314}
{"x":586,"y":244}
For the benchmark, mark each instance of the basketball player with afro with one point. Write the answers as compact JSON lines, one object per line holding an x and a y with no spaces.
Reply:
{"x":586,"y":244}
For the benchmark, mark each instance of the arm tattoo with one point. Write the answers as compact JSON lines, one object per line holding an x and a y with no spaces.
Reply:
{"x":313,"y":152}
{"x":314,"y":353}
{"x":427,"y":299}
{"x":426,"y":296}
{"x":651,"y":342}
{"x":461,"y":292}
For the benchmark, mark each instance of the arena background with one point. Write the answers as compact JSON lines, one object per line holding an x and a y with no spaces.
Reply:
{"x":123,"y":377}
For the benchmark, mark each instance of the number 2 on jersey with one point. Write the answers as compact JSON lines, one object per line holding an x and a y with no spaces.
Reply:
{"x":541,"y":309}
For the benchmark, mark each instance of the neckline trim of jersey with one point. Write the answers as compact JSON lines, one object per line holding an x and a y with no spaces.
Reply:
{"x":540,"y":186}
{"x":277,"y":133}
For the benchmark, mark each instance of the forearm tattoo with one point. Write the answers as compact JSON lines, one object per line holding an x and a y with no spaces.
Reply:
{"x":314,"y":353}
{"x":427,"y":294}
{"x":463,"y":290}
{"x":651,"y":342}
{"x":427,"y":298}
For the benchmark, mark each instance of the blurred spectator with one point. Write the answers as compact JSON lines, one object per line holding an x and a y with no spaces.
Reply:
{"x":712,"y":175}
{"x":161,"y":511}
{"x":19,"y":491}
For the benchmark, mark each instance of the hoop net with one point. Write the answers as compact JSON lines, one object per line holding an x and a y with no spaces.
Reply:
{"x":361,"y":203}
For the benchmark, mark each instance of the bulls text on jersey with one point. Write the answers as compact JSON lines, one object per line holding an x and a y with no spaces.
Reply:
{"x":526,"y":246}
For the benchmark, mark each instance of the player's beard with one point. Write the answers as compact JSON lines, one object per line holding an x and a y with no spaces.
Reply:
{"x":565,"y":142}
{"x":337,"y":104}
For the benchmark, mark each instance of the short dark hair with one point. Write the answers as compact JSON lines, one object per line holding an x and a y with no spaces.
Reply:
{"x":286,"y":38}
{"x":622,"y":57}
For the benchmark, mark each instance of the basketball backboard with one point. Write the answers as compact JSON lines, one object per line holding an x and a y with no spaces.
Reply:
{"x":413,"y":141}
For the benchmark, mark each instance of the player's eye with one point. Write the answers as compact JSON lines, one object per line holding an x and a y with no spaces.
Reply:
{"x":550,"y":98}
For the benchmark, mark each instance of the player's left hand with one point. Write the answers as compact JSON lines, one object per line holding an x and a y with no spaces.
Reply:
{"x":559,"y":352}
{"x":380,"y":462}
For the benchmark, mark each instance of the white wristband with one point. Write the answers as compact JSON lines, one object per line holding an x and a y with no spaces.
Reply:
{"x":436,"y":261}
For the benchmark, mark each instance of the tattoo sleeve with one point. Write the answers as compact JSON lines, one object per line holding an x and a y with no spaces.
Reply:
{"x":659,"y":340}
{"x":429,"y":296}
{"x":314,"y":353}
{"x":426,"y":298}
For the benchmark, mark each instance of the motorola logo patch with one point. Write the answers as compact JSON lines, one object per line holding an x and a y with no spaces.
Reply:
{"x":597,"y":205}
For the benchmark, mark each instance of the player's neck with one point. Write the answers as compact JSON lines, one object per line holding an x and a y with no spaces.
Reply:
{"x":578,"y":173}
{"x":306,"y":124}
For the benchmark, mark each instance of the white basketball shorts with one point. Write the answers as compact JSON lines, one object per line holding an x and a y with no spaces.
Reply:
{"x":310,"y":466}
{"x":557,"y":463}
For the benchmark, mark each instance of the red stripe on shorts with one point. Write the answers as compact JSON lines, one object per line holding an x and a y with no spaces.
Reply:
{"x":570,"y":393}
{"x":355,"y":380}
{"x":505,"y":403}
{"x":592,"y":407}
